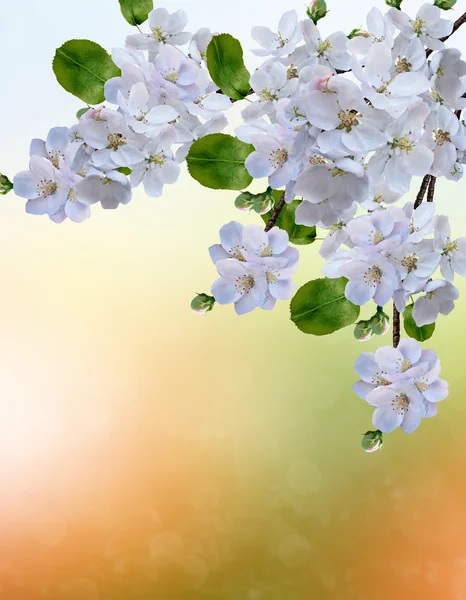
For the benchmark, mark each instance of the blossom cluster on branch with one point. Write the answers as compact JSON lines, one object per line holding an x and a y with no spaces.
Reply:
{"x":338,"y":126}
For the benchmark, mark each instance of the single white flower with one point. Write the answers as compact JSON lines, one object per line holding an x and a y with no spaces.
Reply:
{"x":439,"y":298}
{"x":441,"y":128}
{"x":198,"y":44}
{"x":415,"y":262}
{"x":370,"y":277}
{"x":377,"y":231}
{"x":281,"y":43}
{"x":165,"y":28}
{"x":331,"y":52}
{"x":380,"y":30}
{"x":158,"y":166}
{"x":241,"y":283}
{"x":453,"y":252}
{"x":397,"y":405}
{"x":110,"y":189}
{"x":428,"y":25}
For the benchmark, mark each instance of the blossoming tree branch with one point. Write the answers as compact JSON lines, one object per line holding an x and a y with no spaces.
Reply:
{"x":338,"y":126}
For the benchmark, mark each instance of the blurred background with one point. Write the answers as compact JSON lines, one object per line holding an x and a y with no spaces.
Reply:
{"x":147,"y":452}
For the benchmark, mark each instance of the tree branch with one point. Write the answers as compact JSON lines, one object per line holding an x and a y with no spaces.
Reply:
{"x":396,"y":327}
{"x":422,"y":191}
{"x":276,"y":213}
{"x":431,"y":191}
{"x":456,"y":25}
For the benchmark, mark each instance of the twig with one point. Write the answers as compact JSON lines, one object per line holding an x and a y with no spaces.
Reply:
{"x":396,"y":327}
{"x":276,"y":213}
{"x":431,"y":192}
{"x":422,"y":191}
{"x":456,"y":25}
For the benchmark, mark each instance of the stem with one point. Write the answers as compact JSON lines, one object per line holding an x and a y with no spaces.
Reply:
{"x":276,"y":213}
{"x":456,"y":25}
{"x":431,"y":192}
{"x":422,"y":191}
{"x":396,"y":327}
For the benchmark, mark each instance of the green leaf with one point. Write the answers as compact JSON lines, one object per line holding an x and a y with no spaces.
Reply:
{"x":124,"y":170}
{"x":82,"y":68}
{"x":217,"y":162}
{"x":226,"y":66}
{"x":136,"y":11}
{"x":320,"y":307}
{"x":421,"y":334}
{"x":81,"y":112}
{"x":300,"y":235}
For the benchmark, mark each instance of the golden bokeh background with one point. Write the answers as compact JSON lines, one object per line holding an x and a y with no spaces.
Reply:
{"x":149,"y":453}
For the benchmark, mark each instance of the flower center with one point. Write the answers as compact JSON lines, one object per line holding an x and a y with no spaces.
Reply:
{"x":373,"y":276}
{"x":236,"y":252}
{"x":244,"y":284}
{"x":349,"y":119}
{"x":441,"y":137}
{"x":266,"y":250}
{"x":271,"y":277}
{"x":292,"y":72}
{"x":54,"y":158}
{"x":422,"y":386}
{"x":278,"y":158}
{"x":159,"y":34}
{"x":418,"y":26}
{"x":72,"y":195}
{"x":281,"y":40}
{"x":410,"y":262}
{"x":450,"y":247}
{"x":323,"y":48}
{"x":402,"y":65}
{"x":377,"y":237}
{"x":317,"y":160}
{"x":157,"y":159}
{"x":403,"y":143}
{"x":116,"y":140}
{"x":400,"y":404}
{"x":46,"y":187}
{"x":267,"y":96}
{"x":171,"y":75}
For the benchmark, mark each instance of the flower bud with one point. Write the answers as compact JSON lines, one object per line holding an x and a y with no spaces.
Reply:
{"x":5,"y":185}
{"x":394,"y":3}
{"x":372,"y":441}
{"x":357,"y":32}
{"x":362,"y":331}
{"x":317,"y":10}
{"x":262,"y":203}
{"x":380,"y":322}
{"x":445,"y":4}
{"x":244,"y":201}
{"x":202,"y":304}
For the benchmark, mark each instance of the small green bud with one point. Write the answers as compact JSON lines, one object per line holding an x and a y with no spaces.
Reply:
{"x":245,"y":201}
{"x":202,"y":304}
{"x":124,"y":170}
{"x":263,"y":203}
{"x":394,"y":3}
{"x":362,"y":331}
{"x":5,"y":185}
{"x":445,"y":4}
{"x":380,"y":322}
{"x":372,"y":441}
{"x":317,"y":10}
{"x":81,"y":112}
{"x":358,"y":32}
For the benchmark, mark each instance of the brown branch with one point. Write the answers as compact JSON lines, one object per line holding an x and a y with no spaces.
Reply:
{"x":396,"y":327}
{"x":276,"y":213}
{"x":456,"y":25}
{"x":431,"y":191}
{"x":422,"y":191}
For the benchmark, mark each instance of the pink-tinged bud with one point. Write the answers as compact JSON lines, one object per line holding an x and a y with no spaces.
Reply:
{"x":322,"y":82}
{"x":263,"y":203}
{"x":380,"y":322}
{"x":202,"y":304}
{"x":362,"y":331}
{"x":245,"y":201}
{"x":358,"y":33}
{"x":372,"y":441}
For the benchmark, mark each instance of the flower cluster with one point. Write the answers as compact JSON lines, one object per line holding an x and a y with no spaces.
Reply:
{"x":255,"y":267}
{"x":402,"y":384}
{"x":164,"y":98}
